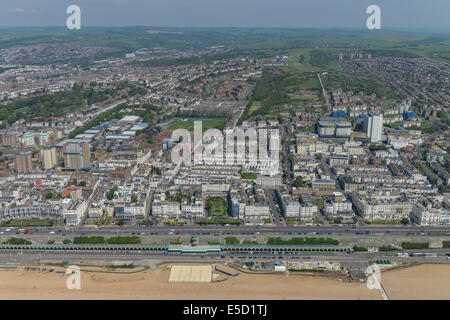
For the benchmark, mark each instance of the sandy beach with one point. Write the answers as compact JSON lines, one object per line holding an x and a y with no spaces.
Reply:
{"x":433,"y":283}
{"x":428,"y":281}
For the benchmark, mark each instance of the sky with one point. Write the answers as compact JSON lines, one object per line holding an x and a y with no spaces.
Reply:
{"x":404,"y":14}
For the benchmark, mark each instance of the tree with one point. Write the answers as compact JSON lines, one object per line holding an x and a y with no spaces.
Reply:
{"x":110,"y":194}
{"x":299,"y":183}
{"x":155,"y":170}
{"x":405,"y":221}
{"x":319,"y":157}
{"x":121,"y":222}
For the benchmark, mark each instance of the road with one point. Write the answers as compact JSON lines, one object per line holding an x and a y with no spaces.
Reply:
{"x":97,"y":113}
{"x":287,"y":162}
{"x":273,"y":209}
{"x":354,"y":261}
{"x":212,"y":230}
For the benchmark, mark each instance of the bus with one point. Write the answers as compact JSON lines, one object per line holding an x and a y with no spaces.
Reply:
{"x":24,"y":231}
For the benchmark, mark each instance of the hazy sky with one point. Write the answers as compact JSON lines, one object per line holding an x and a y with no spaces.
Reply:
{"x":413,"y":14}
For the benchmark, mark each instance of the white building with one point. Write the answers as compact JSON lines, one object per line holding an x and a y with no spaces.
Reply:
{"x":166,"y":209}
{"x":30,"y":212}
{"x":307,"y":211}
{"x":28,"y":139}
{"x":292,"y":209}
{"x":330,"y":127}
{"x":430,"y":217}
{"x":48,"y":158}
{"x":268,"y":181}
{"x":95,"y":212}
{"x":193,"y":209}
{"x":377,"y":210}
{"x":75,"y":212}
{"x":257,"y":212}
{"x":339,"y":208}
{"x":373,"y":126}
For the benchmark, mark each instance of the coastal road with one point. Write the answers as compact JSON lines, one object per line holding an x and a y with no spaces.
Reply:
{"x":213,"y":230}
{"x":350,"y":260}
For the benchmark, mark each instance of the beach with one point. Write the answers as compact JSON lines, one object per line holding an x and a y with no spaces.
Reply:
{"x":433,"y":283}
{"x":423,"y":282}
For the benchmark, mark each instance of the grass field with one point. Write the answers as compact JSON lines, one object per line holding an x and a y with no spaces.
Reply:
{"x":276,"y":88}
{"x":105,"y":220}
{"x":249,"y":176}
{"x":311,"y":60}
{"x":216,"y":207}
{"x":28,"y":223}
{"x":255,"y":106}
{"x":216,"y":123}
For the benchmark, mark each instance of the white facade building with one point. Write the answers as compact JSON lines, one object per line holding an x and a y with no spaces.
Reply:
{"x":373,"y":126}
{"x":74,"y":212}
{"x":339,"y":208}
{"x":430,"y":217}
{"x":307,"y":211}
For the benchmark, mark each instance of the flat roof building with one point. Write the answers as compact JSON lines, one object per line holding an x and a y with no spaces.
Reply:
{"x":23,"y":162}
{"x":330,"y":127}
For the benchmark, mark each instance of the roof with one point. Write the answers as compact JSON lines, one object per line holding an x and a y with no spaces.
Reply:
{"x":130,"y":118}
{"x":323,"y":181}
